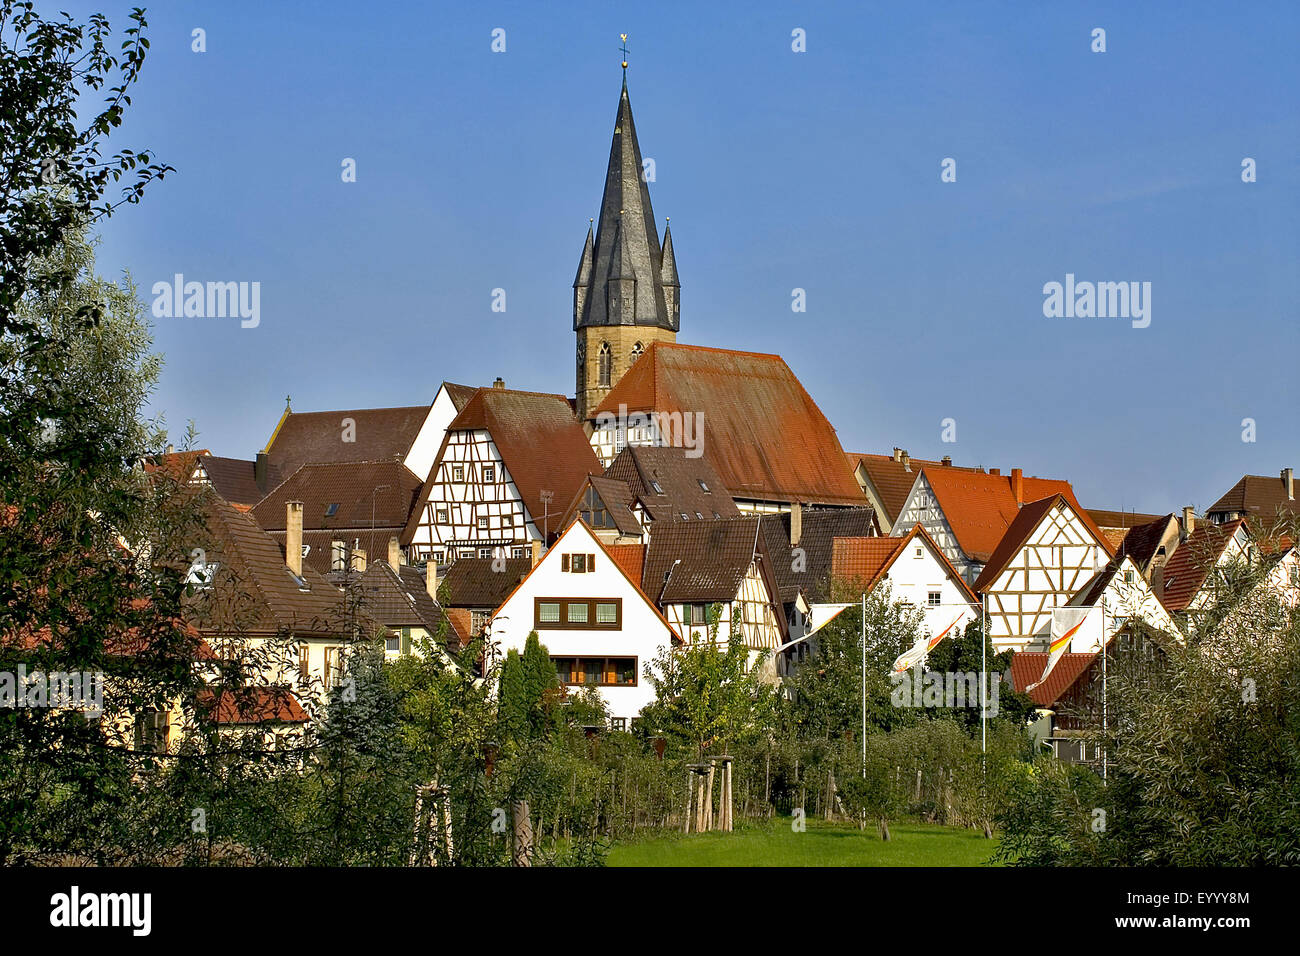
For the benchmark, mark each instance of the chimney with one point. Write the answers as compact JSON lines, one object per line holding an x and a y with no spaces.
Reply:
{"x":499,"y":383}
{"x":170,"y":448}
{"x":1288,"y":482}
{"x":1018,"y":485}
{"x":907,"y":461}
{"x":259,"y":471}
{"x":946,"y":461}
{"x":536,"y":553}
{"x":394,"y":553}
{"x":359,"y":559}
{"x":995,"y":471}
{"x":293,"y":536}
{"x":1189,"y":520}
{"x":898,"y":454}
{"x":796,"y":524}
{"x":1158,"y":577}
{"x":431,"y":578}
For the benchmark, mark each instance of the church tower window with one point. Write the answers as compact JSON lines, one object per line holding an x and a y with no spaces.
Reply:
{"x":606,"y":364}
{"x":636,"y":352}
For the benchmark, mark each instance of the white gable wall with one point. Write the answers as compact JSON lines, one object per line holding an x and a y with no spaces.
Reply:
{"x":641,"y":634}
{"x":914,"y":578}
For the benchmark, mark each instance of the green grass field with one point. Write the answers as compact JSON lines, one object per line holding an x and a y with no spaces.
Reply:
{"x":823,"y":844}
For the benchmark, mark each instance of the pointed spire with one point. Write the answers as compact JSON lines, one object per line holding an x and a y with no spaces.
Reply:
{"x":620,"y":262}
{"x":626,"y":239}
{"x":583,"y":277}
{"x":668,"y":270}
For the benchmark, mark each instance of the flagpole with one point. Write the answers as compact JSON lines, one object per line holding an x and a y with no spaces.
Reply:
{"x":864,"y":685}
{"x":1104,"y":715}
{"x":984,"y":677}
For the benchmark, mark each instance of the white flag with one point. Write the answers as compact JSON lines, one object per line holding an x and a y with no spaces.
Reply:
{"x":1066,"y":622}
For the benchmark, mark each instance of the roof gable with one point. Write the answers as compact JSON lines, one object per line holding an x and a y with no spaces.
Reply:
{"x":1018,"y":534}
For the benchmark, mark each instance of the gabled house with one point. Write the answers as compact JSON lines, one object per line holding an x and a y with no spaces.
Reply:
{"x":1051,"y":550}
{"x":702,"y":573}
{"x":769,"y":442}
{"x":887,"y":480}
{"x":968,"y":513}
{"x":1122,"y":597}
{"x":1259,"y":499}
{"x":1150,"y":546}
{"x":241,"y":482}
{"x":350,"y":508}
{"x":256,"y":602}
{"x":1194,"y":574}
{"x":917,"y":572}
{"x":597,"y":624}
{"x":509,"y":466}
{"x":411,"y":434}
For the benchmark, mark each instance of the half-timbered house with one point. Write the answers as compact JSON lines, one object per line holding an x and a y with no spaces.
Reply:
{"x":1050,"y":551}
{"x":509,"y":466}
{"x":887,"y":480}
{"x":968,"y":513}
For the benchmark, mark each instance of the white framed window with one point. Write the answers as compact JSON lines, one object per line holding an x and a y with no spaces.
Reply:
{"x":442,"y":516}
{"x":457,"y":472}
{"x":483,"y":523}
{"x":934,"y":598}
{"x":489,"y":474}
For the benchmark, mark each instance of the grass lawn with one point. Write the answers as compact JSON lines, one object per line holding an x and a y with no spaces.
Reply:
{"x":823,"y":844}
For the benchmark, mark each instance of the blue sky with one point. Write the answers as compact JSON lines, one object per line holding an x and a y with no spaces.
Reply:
{"x":817,"y":170}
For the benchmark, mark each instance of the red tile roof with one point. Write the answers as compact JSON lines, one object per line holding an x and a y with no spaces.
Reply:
{"x":1187,"y":570}
{"x":980,"y":508}
{"x":1257,"y":497}
{"x":864,"y":559}
{"x":629,"y":557}
{"x":314,"y":437}
{"x":762,"y":431}
{"x":251,"y":705}
{"x":368,"y":494}
{"x":1027,"y":667}
{"x":1120,"y":519}
{"x":893,"y":479}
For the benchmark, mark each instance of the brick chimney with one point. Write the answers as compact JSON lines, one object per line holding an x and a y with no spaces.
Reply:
{"x":1018,"y":485}
{"x":796,"y":523}
{"x":394,"y":553}
{"x":907,"y":461}
{"x":359,"y":559}
{"x":293,"y":536}
{"x":995,"y":471}
{"x":499,"y":383}
{"x":1288,"y":482}
{"x":536,"y":553}
{"x":898,"y":453}
{"x":431,"y":578}
{"x":946,"y":461}
{"x":1189,"y":520}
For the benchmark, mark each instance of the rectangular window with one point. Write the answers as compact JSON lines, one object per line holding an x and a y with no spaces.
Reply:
{"x":333,"y":666}
{"x":518,"y":552}
{"x":442,"y":516}
{"x":483,"y":523}
{"x":151,"y":731}
{"x":304,"y":661}
{"x":439,"y":557}
{"x":457,"y":472}
{"x":485,"y":553}
{"x":934,"y":598}
{"x":507,"y":521}
{"x":618,"y":723}
{"x":489,"y":473}
{"x":392,"y":642}
{"x":598,"y":671}
{"x":604,"y":614}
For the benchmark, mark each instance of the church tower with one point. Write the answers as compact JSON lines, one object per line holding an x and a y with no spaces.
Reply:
{"x":626,"y":295}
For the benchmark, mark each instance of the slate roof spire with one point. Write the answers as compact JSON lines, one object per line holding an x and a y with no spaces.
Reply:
{"x":626,"y":240}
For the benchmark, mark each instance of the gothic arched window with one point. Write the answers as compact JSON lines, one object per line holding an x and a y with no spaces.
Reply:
{"x":636,"y":352}
{"x":606,"y":364}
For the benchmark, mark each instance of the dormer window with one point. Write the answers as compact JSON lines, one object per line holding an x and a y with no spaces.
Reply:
{"x":656,"y":486}
{"x":331,"y":509}
{"x":704,"y":486}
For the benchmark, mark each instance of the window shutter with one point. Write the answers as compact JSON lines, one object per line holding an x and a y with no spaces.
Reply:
{"x":591,"y":562}
{"x":564,"y":562}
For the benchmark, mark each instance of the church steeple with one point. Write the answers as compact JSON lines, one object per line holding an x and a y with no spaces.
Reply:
{"x":626,"y":295}
{"x":626,"y":240}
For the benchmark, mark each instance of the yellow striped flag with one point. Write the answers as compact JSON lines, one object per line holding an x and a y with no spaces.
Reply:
{"x":1066,"y":622}
{"x":922,"y":647}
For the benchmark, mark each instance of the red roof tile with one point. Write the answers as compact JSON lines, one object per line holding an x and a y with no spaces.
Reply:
{"x":1027,"y":667}
{"x":893,"y":479}
{"x":980,"y":508}
{"x":315,"y":437}
{"x":1186,"y":571}
{"x":629,"y":557}
{"x":762,"y":431}
{"x":251,"y":705}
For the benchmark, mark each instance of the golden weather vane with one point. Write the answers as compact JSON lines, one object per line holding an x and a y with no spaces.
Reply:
{"x":623,"y":48}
